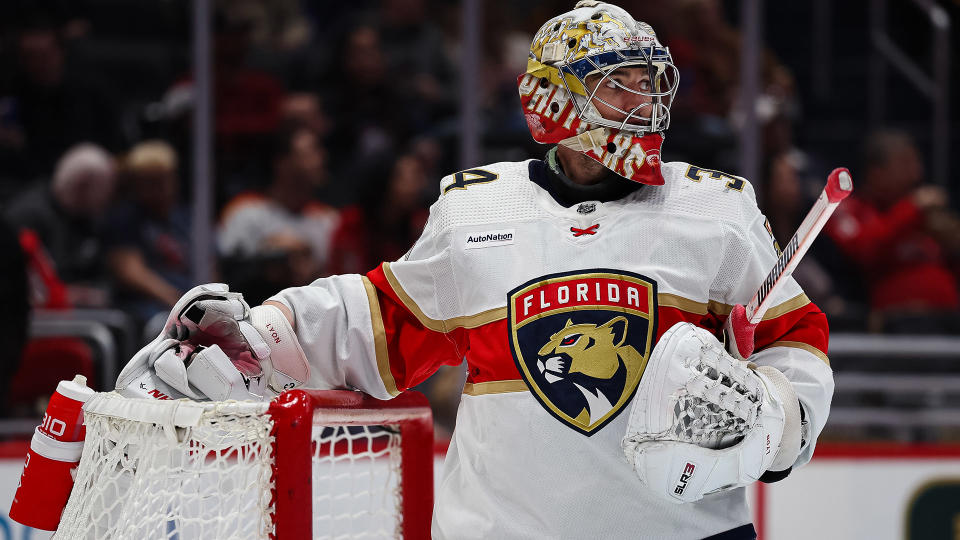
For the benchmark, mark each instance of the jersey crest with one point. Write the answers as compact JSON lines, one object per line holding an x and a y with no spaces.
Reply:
{"x":581,"y":341}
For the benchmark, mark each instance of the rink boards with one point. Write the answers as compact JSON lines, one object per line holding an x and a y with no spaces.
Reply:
{"x":857,"y":491}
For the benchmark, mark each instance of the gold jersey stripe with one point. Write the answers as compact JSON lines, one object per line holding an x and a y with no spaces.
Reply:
{"x":494,"y":387}
{"x":465,"y":321}
{"x":796,"y":302}
{"x":679,"y":302}
{"x":379,"y":338}
{"x":801,"y":345}
{"x":496,"y":314}
{"x":719,"y":308}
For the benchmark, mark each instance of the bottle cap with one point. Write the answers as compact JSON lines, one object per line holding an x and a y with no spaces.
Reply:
{"x":76,"y":389}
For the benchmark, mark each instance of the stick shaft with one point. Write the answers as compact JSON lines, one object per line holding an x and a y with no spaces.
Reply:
{"x":839,"y":185}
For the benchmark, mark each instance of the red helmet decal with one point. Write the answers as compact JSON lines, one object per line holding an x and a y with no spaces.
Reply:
{"x":553,"y":119}
{"x":632,"y":157}
{"x":550,"y":113}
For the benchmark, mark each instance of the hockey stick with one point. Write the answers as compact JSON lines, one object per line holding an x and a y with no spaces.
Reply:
{"x":743,"y":320}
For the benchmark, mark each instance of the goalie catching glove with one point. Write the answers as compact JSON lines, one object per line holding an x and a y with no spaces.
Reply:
{"x":703,"y":421}
{"x":214,"y":346}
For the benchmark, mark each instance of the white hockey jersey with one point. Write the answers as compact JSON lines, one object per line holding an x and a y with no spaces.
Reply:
{"x":556,"y":310}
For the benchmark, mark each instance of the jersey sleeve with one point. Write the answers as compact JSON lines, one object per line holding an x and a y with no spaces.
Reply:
{"x":793,"y":335}
{"x":385,"y":331}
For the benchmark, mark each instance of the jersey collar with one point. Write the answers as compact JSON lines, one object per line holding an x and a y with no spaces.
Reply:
{"x":549,"y":175}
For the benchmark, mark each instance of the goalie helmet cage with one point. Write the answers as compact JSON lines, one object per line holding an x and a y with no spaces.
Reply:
{"x":285,"y":470}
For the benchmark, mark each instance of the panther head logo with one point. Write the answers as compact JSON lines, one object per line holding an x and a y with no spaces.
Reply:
{"x":595,"y":360}
{"x":580,"y":341}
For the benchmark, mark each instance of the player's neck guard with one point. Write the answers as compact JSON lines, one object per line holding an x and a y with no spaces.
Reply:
{"x":567,"y":192}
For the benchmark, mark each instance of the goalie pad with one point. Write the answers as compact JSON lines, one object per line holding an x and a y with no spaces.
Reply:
{"x":703,"y":421}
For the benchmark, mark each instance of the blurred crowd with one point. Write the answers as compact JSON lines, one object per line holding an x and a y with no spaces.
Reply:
{"x":333,"y":125}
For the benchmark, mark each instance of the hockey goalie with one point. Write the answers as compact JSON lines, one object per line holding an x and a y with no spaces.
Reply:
{"x":586,"y":292}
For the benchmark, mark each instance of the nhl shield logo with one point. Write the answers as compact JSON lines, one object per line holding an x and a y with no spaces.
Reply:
{"x":581,"y":341}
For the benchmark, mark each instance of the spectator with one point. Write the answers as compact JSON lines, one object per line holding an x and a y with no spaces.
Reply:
{"x":16,"y":308}
{"x":50,"y":108}
{"x":823,"y":273}
{"x":415,"y":57}
{"x":149,"y":234}
{"x":248,"y":108}
{"x":709,"y":113}
{"x":286,"y":222}
{"x":717,"y":45}
{"x":366,"y":122}
{"x":788,"y":191}
{"x":307,"y":110}
{"x":386,"y":222}
{"x":66,"y":216}
{"x":903,"y":238}
{"x":277,"y":24}
{"x":248,"y":101}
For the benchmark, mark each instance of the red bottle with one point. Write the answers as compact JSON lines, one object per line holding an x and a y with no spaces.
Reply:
{"x":54,"y":452}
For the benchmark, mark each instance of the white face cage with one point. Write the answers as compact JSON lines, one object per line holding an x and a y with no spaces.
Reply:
{"x":649,"y":117}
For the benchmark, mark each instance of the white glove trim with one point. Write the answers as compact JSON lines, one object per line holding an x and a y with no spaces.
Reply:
{"x":790,"y":440}
{"x":288,"y":366}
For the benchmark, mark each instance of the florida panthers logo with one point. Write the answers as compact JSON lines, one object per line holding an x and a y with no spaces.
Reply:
{"x":581,"y":342}
{"x":595,"y":360}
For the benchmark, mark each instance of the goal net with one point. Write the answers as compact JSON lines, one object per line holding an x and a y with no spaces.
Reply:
{"x":311,"y":464}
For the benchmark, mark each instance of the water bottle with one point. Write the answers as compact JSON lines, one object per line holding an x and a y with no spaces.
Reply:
{"x":54,"y":453}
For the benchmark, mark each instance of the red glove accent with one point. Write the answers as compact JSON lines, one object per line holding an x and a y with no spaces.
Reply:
{"x":739,"y":333}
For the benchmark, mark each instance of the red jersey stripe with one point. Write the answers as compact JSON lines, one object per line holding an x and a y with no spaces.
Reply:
{"x":414,"y":350}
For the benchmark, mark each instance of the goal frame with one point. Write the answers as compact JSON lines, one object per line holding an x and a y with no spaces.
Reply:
{"x":294,"y":414}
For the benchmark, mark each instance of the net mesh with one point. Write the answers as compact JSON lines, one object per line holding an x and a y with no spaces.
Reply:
{"x":356,"y":487}
{"x":147,"y":479}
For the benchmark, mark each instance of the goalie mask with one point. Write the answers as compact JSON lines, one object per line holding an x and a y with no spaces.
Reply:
{"x":577,"y":61}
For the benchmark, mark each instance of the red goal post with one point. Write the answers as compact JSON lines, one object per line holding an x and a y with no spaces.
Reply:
{"x":296,"y":412}
{"x":310,"y":464}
